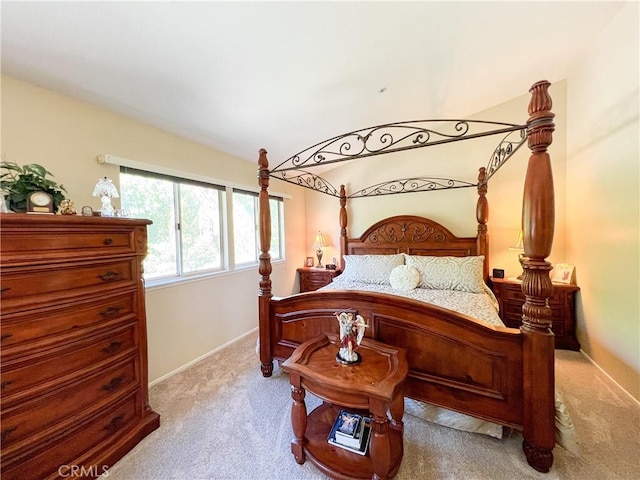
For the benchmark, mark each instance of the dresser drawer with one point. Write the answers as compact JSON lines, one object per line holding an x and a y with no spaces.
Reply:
{"x":21,"y":288}
{"x":39,"y":245}
{"x":514,"y":292}
{"x":28,"y":418}
{"x":19,"y":330}
{"x":314,"y":283}
{"x":47,"y":370}
{"x":313,"y":279}
{"x":513,"y":313}
{"x":54,"y":458}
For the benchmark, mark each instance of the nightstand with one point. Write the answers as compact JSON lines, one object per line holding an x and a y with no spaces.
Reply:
{"x":313,"y":278}
{"x":508,"y":291}
{"x":373,"y":387}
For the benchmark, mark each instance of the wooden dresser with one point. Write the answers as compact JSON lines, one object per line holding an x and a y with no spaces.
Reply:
{"x":508,"y":291}
{"x":74,"y":387}
{"x":313,"y":278}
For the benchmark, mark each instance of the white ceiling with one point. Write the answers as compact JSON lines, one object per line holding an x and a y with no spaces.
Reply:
{"x":239,"y":76}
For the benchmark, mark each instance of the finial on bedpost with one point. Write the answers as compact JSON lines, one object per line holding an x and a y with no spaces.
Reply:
{"x":264,"y":266}
{"x":482,"y":216}
{"x":343,"y":224}
{"x":538,"y":219}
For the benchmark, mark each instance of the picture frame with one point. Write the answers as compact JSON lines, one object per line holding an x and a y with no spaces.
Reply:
{"x":308,"y":262}
{"x":563,"y":273}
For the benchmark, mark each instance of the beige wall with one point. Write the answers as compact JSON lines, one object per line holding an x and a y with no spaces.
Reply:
{"x":603,"y":198}
{"x":185,"y":321}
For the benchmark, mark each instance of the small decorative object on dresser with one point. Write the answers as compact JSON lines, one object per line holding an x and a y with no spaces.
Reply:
{"x":67,"y":207}
{"x":308,"y":262}
{"x":313,"y":278}
{"x":508,"y":291}
{"x":106,"y":190}
{"x":40,"y":202}
{"x":87,"y":211}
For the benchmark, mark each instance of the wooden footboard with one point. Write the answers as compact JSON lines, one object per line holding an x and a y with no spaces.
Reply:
{"x":455,"y":361}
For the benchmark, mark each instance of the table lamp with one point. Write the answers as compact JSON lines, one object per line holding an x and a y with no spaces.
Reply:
{"x":106,"y":190}
{"x":318,"y":244}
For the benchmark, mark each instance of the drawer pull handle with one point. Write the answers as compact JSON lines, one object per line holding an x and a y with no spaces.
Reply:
{"x":7,"y":432}
{"x":110,"y":276}
{"x":110,"y":311}
{"x":5,"y":336}
{"x":4,"y":385}
{"x":4,"y":289}
{"x":113,"y":347}
{"x":115,"y":424}
{"x":108,"y":241}
{"x":113,"y":384}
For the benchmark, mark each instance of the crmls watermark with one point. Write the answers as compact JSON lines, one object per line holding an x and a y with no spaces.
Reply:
{"x":79,"y":471}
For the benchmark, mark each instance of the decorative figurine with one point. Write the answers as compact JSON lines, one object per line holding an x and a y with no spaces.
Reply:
{"x":351,"y":334}
{"x":67,"y":208}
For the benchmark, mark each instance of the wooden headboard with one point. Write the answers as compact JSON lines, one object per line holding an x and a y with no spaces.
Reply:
{"x":415,"y":235}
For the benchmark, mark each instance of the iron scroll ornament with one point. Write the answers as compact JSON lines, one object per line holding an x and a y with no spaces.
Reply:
{"x":392,"y":137}
{"x":398,"y":137}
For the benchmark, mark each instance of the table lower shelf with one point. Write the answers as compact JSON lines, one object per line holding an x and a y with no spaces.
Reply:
{"x":337,"y":462}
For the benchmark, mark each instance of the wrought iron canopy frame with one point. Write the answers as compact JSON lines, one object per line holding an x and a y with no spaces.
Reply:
{"x":397,"y":137}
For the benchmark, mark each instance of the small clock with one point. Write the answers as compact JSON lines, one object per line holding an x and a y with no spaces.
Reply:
{"x":39,"y":202}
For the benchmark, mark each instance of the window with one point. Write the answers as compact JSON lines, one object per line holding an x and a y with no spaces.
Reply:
{"x":186,"y":235}
{"x":245,"y":227}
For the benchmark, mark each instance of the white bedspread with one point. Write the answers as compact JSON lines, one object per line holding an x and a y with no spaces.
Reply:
{"x":482,"y":306}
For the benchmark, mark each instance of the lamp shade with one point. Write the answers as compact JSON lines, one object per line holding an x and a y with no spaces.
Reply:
{"x":320,"y":241}
{"x":518,"y":245}
{"x":105,"y":188}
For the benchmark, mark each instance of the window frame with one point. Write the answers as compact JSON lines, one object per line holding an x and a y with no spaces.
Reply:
{"x":256,"y":229}
{"x":178,"y":229}
{"x":229,"y":267}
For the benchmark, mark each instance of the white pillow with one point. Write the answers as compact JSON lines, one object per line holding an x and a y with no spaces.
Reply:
{"x":404,"y":278}
{"x":373,"y":269}
{"x":464,"y":274}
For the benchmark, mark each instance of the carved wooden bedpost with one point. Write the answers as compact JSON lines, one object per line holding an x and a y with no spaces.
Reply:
{"x":538,"y":218}
{"x":264,"y":267}
{"x":343,"y":225}
{"x":482,"y":216}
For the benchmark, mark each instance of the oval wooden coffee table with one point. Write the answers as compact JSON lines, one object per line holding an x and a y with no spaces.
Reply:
{"x":373,"y":387}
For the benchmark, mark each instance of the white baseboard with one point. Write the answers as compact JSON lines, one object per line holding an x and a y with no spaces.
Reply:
{"x":201,"y":357}
{"x":609,"y":377}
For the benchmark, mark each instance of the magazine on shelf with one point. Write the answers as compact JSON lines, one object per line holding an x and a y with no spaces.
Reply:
{"x":359,"y":445}
{"x":349,"y":440}
{"x":348,"y":425}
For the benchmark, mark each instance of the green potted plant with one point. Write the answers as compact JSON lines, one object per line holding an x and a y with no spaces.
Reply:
{"x":18,"y":181}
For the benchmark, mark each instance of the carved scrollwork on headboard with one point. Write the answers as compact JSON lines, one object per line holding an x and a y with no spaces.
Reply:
{"x":413,"y":235}
{"x":410,"y":231}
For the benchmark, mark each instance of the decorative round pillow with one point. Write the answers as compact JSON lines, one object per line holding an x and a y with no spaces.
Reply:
{"x":404,"y":278}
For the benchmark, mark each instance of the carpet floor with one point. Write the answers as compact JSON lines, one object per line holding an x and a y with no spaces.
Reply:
{"x":221,"y":420}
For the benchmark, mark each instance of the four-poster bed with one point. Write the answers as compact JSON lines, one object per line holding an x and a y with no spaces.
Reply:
{"x":496,"y":373}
